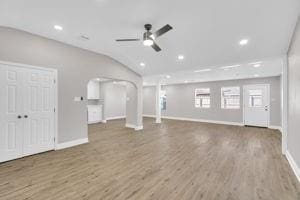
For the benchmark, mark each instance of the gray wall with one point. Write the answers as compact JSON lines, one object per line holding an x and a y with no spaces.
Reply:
{"x":149,"y":99}
{"x":181,"y":103}
{"x":114,"y":99}
{"x":293,"y":137}
{"x":131,"y":97}
{"x":75,"y":68}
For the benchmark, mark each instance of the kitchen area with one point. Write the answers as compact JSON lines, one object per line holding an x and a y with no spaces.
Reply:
{"x":106,"y":100}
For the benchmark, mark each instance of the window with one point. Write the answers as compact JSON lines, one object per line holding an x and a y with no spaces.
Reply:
{"x":255,"y":98}
{"x":163,"y":100}
{"x":230,"y":97}
{"x":202,"y":98}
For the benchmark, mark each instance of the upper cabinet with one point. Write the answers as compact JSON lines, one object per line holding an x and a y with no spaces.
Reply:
{"x":93,"y":90}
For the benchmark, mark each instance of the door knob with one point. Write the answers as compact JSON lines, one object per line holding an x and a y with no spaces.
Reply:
{"x":25,"y":116}
{"x":19,"y":116}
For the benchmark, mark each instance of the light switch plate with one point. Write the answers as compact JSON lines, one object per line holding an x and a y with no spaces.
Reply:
{"x":77,"y":98}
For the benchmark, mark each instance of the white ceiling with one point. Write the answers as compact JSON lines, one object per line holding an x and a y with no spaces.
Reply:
{"x":206,"y":32}
{"x":253,"y":69}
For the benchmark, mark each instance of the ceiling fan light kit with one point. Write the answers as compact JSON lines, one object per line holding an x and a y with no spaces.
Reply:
{"x":149,"y":38}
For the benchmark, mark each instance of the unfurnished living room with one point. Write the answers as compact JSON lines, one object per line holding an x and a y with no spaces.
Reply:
{"x":144,"y":100}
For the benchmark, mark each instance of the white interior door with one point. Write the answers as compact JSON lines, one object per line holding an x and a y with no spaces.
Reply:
{"x":11,"y":109}
{"x":257,"y":105}
{"x":38,"y":111}
{"x":27,"y":117}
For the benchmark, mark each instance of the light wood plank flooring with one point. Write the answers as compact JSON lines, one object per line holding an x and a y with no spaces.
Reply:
{"x":175,"y":160}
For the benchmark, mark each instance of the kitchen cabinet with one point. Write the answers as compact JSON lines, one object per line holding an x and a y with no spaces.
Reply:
{"x":94,"y":114}
{"x":93,"y":90}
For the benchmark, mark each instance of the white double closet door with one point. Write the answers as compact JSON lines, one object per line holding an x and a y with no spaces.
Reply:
{"x":27,"y":112}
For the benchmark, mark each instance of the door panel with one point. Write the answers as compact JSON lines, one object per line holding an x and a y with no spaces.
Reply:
{"x":257,"y":105}
{"x":39,"y":108}
{"x":10,"y":108}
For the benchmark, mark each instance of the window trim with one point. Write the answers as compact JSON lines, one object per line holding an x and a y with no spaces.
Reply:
{"x":201,"y":105}
{"x":225,"y":107}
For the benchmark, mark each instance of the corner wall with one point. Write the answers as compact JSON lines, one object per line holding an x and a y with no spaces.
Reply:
{"x":293,"y":136}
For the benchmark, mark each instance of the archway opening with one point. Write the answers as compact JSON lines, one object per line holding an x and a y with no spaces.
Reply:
{"x":111,"y":100}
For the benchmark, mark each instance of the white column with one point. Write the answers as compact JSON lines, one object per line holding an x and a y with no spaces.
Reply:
{"x":157,"y":105}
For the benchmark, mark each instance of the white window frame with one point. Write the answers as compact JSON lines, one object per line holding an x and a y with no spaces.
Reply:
{"x":201,"y":98}
{"x":225,"y":106}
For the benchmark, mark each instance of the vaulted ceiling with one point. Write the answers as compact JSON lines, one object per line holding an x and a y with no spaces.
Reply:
{"x":206,"y":32}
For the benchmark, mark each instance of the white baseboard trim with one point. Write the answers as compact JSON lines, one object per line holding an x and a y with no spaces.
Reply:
{"x":293,"y":164}
{"x":152,"y":116}
{"x":95,"y":122}
{"x":130,"y":125}
{"x":71,"y":143}
{"x":204,"y":120}
{"x":209,"y":121}
{"x":137,"y":128}
{"x":117,"y":117}
{"x":276,"y":128}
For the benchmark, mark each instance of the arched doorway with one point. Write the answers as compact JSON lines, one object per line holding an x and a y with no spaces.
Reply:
{"x":112,"y":99}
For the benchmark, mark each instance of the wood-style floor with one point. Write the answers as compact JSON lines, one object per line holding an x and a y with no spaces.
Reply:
{"x":175,"y":160}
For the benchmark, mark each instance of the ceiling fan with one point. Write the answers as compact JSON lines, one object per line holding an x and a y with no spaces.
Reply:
{"x":149,"y":37}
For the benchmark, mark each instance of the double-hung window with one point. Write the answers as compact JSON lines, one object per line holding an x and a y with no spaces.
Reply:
{"x":202,"y":98}
{"x":230,"y":97}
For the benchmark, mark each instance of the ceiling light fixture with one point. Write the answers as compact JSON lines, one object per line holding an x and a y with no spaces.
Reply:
{"x":256,"y":75}
{"x":168,"y":76}
{"x":148,"y":42}
{"x":186,"y":81}
{"x":244,"y":42}
{"x":180,"y":57}
{"x":57,"y":27}
{"x":257,"y":65}
{"x":142,"y":64}
{"x":202,"y":70}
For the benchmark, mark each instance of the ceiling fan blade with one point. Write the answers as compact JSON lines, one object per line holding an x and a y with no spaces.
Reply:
{"x":156,"y":47}
{"x":127,"y":40}
{"x":161,"y":31}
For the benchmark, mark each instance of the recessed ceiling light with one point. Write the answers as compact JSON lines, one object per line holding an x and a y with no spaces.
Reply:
{"x":256,"y":65}
{"x":57,"y":27}
{"x":229,"y":67}
{"x":168,"y":76}
{"x":203,"y":70}
{"x":142,"y":64}
{"x":186,"y":81}
{"x":98,"y":79}
{"x":244,"y":42}
{"x":256,"y":75}
{"x":180,"y":57}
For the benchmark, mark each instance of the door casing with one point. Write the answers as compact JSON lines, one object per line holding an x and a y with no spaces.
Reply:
{"x":54,"y":71}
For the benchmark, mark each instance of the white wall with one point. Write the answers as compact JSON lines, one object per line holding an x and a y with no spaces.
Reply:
{"x":114,"y":99}
{"x":149,"y":100}
{"x":75,"y":68}
{"x":181,"y":101}
{"x":293,"y":136}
